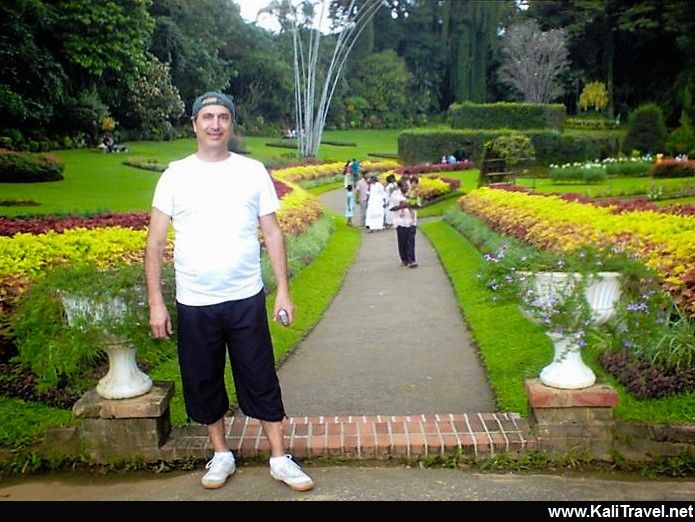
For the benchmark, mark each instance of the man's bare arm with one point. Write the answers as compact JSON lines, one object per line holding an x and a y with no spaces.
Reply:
{"x":275,"y":244}
{"x":160,"y":321}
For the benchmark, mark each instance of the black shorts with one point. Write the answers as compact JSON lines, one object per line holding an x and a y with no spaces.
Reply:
{"x":242,"y":328}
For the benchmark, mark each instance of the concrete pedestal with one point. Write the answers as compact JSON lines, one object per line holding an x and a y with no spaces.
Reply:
{"x":578,"y":421}
{"x":125,"y":428}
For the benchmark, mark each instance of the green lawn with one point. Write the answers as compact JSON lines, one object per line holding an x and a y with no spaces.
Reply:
{"x":95,"y":181}
{"x":613,"y":187}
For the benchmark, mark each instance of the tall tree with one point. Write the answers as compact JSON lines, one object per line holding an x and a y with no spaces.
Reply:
{"x":96,"y":37}
{"x":472,"y":32}
{"x":631,"y":46}
{"x":383,"y":80}
{"x":533,"y":60}
{"x":193,"y":38}
{"x":32,"y":81}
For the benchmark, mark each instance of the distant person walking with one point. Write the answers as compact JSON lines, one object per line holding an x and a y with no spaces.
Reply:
{"x":391,"y":185}
{"x":350,"y":205}
{"x":347,"y":175}
{"x":355,"y":168}
{"x":405,"y":221}
{"x":362,"y":198}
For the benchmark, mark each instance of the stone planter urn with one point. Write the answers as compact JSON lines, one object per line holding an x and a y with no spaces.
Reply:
{"x":568,"y":370}
{"x":124,"y":379}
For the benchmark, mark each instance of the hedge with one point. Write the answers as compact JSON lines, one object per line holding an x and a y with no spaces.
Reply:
{"x":427,"y":145}
{"x":507,"y":115}
{"x":21,"y":167}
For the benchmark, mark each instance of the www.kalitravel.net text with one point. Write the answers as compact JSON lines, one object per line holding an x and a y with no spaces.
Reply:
{"x":621,"y":511}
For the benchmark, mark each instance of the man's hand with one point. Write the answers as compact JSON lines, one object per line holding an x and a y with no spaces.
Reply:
{"x":283,"y":302}
{"x":160,"y":322}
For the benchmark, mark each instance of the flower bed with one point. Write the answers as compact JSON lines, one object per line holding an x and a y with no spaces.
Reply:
{"x":327,"y":170}
{"x":663,"y":242}
{"x":422,"y":168}
{"x":30,"y":246}
{"x":133,"y":220}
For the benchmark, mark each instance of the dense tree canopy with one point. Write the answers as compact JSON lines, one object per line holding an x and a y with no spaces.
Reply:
{"x":68,"y":64}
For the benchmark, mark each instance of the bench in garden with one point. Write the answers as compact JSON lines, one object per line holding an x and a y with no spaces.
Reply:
{"x":496,"y":171}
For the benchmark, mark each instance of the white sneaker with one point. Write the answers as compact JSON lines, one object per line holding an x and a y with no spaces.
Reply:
{"x":220,"y":467}
{"x":288,"y":471}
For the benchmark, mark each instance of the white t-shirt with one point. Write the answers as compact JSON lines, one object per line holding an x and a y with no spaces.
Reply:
{"x":214,"y":207}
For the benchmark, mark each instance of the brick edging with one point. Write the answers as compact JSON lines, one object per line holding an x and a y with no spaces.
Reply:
{"x":481,"y":435}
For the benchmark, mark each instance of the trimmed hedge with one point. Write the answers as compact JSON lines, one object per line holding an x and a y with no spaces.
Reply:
{"x":427,"y":145}
{"x":507,"y":115}
{"x":19,"y":167}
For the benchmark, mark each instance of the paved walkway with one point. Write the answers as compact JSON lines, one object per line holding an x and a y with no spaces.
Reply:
{"x":352,"y":483}
{"x":392,"y":342}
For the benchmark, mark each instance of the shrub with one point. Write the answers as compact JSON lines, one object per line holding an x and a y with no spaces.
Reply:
{"x":507,"y":115}
{"x":27,"y":168}
{"x":627,"y":167}
{"x":147,"y":164}
{"x":672,"y":168}
{"x":646,"y":130}
{"x":516,"y":149}
{"x":586,"y":173}
{"x":682,"y":139}
{"x":594,"y":95}
{"x":427,"y":145}
{"x":593,"y":123}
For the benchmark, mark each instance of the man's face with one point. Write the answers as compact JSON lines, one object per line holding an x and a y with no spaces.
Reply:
{"x":213,"y":126}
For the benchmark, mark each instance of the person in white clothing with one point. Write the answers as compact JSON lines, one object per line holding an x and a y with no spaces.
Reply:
{"x":390,"y":187}
{"x":216,"y":201}
{"x":375,"y":205}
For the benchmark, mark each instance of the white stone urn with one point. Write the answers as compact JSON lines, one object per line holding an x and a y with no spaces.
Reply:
{"x":568,"y":370}
{"x":124,"y":379}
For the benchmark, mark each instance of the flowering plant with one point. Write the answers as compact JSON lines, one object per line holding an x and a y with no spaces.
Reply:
{"x":552,"y":290}
{"x":64,"y":319}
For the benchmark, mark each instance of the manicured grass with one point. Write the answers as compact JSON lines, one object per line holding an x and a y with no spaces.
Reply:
{"x":678,"y":201}
{"x":95,"y":181}
{"x":317,"y":190}
{"x":622,"y":186}
{"x":312,"y":291}
{"x":512,"y":348}
{"x":440,"y":207}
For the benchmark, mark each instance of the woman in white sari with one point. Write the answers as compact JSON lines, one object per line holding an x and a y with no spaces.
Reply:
{"x":375,"y":205}
{"x":390,"y":187}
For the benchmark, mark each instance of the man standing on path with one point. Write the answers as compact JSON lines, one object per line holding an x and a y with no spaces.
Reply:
{"x":405,"y":221}
{"x":216,"y":200}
